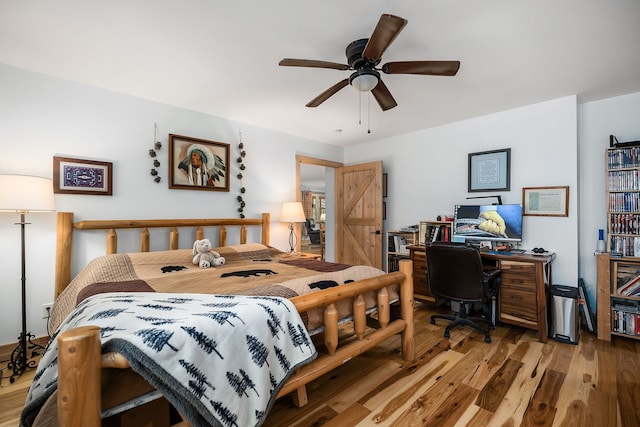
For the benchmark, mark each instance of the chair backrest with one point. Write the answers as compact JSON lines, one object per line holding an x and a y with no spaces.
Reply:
{"x":309,"y":225}
{"x":454,"y":271}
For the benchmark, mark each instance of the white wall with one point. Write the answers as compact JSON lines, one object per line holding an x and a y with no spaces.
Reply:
{"x":42,"y":116}
{"x":428,"y":171}
{"x":619,"y":116}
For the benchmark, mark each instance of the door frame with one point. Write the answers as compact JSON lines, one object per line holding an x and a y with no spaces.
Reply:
{"x":316,"y":162}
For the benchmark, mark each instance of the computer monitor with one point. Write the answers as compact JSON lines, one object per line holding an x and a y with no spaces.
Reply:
{"x":497,"y":223}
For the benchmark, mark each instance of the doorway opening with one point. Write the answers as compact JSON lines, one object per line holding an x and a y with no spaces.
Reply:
{"x":315,"y":188}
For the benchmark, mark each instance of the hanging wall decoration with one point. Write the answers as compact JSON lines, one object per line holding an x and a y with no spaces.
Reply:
{"x":241,"y":167}
{"x":157,"y":145}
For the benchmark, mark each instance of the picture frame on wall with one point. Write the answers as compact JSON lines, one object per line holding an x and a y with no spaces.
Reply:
{"x":490,"y":170}
{"x":198,"y":164}
{"x":545,"y":201}
{"x":81,"y":176}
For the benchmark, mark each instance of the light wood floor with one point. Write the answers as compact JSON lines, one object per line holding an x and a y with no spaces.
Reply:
{"x":514,"y":381}
{"x":306,"y":246}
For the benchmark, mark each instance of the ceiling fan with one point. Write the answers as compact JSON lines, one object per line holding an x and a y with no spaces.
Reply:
{"x":364,"y":55}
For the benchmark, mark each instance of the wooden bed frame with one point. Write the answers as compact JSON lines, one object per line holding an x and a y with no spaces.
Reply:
{"x":79,"y":353}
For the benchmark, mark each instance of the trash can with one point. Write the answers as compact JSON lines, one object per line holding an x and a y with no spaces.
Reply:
{"x":565,"y":320}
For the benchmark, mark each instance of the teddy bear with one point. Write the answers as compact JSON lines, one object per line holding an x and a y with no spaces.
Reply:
{"x":204,"y":256}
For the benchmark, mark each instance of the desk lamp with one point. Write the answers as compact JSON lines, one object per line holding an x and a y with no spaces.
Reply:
{"x":292,"y":212}
{"x":24,"y":194}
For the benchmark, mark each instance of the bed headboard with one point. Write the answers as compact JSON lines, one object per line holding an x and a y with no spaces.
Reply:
{"x":66,"y":228}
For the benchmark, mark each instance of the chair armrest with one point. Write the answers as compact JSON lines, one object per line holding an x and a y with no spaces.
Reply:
{"x":491,"y":276}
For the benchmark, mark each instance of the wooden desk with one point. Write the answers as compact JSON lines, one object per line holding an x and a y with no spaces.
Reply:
{"x":524,"y":289}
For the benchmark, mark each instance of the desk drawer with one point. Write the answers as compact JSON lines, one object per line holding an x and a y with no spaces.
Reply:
{"x":420,"y":285}
{"x":419,"y":257}
{"x":518,"y":303}
{"x":419,"y":265}
{"x":419,"y":269}
{"x":515,"y":267}
{"x":519,"y":280}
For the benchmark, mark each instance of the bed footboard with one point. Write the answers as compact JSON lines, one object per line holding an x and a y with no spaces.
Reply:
{"x":337,"y":355}
{"x":80,"y":359}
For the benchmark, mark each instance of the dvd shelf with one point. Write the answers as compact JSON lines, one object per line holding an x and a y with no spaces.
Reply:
{"x":618,"y":297}
{"x":623,"y":194}
{"x":626,"y":319}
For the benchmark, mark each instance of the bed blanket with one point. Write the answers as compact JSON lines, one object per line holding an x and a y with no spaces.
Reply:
{"x":220,"y":360}
{"x":251,"y":269}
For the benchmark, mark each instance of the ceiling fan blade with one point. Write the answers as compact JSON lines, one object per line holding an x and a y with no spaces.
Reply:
{"x":433,"y":68}
{"x":290,"y":62}
{"x":383,"y":96}
{"x":388,"y":28}
{"x":327,"y":93}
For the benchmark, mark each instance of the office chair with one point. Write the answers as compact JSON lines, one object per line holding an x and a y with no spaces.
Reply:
{"x":455,"y":272}
{"x":314,"y":235}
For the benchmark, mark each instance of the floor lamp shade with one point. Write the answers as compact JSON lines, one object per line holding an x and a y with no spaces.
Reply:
{"x":22,"y":193}
{"x":292,"y":212}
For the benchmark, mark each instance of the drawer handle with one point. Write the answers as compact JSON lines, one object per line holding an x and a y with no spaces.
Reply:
{"x":519,"y":297}
{"x":517,"y":280}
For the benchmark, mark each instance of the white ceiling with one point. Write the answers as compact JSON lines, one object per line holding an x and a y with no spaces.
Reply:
{"x":221,"y":57}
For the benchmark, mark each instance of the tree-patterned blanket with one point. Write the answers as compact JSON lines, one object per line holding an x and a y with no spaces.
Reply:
{"x":220,"y":360}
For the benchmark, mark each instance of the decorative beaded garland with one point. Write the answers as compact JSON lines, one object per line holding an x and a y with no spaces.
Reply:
{"x":157,"y":145}
{"x":241,"y":167}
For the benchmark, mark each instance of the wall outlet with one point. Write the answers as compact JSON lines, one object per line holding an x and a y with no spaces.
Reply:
{"x":46,"y":310}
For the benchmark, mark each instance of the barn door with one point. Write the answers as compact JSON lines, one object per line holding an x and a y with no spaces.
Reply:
{"x":359,"y":214}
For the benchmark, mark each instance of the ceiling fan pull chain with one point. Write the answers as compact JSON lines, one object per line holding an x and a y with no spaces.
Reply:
{"x":360,"y":108}
{"x":369,"y":114}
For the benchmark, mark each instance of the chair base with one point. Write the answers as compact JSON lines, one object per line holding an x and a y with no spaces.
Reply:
{"x":464,"y":320}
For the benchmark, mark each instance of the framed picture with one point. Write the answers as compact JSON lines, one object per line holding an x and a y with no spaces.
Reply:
{"x":545,"y":201}
{"x":490,"y":170}
{"x":79,"y":176}
{"x":198,"y":164}
{"x":385,"y":178}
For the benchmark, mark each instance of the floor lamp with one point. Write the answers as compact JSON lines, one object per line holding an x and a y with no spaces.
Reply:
{"x":292,"y":212}
{"x":24,"y":194}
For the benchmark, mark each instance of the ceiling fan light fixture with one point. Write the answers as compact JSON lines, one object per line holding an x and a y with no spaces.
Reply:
{"x":364,"y":80}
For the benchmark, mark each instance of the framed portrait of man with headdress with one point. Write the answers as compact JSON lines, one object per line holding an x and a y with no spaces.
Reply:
{"x":198,"y":164}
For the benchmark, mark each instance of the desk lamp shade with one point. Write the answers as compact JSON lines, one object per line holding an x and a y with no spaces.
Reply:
{"x":292,"y":212}
{"x":22,"y":193}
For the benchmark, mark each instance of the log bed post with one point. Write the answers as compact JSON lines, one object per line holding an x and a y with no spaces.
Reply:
{"x":112,"y":241}
{"x":145,"y":240}
{"x":406,"y":310}
{"x":64,"y":240}
{"x":79,"y":373}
